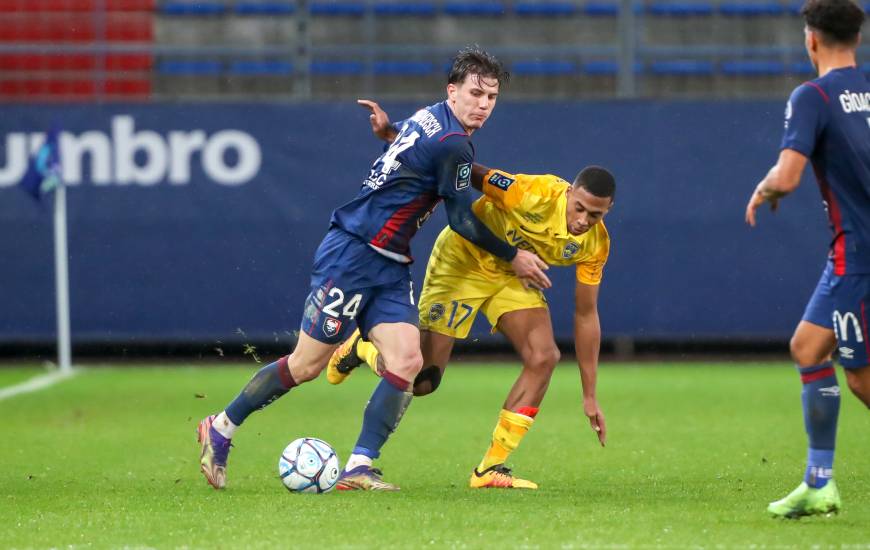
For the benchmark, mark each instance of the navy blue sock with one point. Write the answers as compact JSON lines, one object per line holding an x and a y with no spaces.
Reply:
{"x":270,"y":383}
{"x":821,"y":403}
{"x":382,"y":415}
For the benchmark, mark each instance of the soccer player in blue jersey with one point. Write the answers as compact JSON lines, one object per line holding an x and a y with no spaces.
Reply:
{"x":827,"y":121}
{"x":361,"y":275}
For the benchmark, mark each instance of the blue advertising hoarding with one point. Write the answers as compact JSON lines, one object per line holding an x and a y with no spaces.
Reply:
{"x":198,"y":222}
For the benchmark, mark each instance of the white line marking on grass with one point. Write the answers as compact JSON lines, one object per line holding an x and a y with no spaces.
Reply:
{"x":35,"y":384}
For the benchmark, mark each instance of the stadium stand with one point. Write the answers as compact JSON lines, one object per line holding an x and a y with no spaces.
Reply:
{"x":122,"y":49}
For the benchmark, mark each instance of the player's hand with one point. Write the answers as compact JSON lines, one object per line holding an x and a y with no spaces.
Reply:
{"x":379,"y":120}
{"x":530,"y":269}
{"x":596,"y":419}
{"x":757,"y":199}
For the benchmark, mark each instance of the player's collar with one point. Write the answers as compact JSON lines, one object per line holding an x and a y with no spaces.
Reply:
{"x":562,"y":212}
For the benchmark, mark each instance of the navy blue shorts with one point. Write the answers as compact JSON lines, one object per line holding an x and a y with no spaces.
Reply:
{"x":843,"y":305}
{"x":352,"y":283}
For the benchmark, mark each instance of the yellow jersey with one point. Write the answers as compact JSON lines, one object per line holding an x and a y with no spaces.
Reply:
{"x":529,"y":212}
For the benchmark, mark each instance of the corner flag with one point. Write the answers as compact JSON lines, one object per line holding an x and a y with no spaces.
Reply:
{"x":42,"y":176}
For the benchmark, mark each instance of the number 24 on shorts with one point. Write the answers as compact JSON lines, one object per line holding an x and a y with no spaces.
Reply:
{"x":350,"y":308}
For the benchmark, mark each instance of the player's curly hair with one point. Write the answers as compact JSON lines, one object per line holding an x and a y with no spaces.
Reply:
{"x":473,"y":60}
{"x":839,"y":21}
{"x":598,"y":181}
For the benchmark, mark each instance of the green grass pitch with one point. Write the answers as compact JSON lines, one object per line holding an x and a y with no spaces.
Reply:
{"x":108,"y":459}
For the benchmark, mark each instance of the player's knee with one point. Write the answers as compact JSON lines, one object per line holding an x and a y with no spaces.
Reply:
{"x":803,"y":354}
{"x":542,"y":359}
{"x":427,"y":381}
{"x":407,"y":365}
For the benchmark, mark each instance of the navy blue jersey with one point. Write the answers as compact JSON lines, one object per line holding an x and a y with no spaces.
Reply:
{"x":429,"y":160}
{"x":828,"y":121}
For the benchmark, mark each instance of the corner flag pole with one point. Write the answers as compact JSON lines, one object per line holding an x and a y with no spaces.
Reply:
{"x":61,"y":280}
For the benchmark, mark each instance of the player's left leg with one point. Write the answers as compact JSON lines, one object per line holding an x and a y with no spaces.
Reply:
{"x":399,"y":345}
{"x":389,"y":322}
{"x":812,"y":346}
{"x":531,"y":333}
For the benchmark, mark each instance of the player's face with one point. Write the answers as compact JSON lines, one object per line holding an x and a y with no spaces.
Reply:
{"x":585,"y":210}
{"x":473,"y":100}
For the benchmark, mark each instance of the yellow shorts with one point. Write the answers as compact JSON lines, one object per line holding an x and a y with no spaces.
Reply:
{"x":457,"y":286}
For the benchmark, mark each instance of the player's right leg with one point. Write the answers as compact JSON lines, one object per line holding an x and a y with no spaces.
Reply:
{"x":267,"y":385}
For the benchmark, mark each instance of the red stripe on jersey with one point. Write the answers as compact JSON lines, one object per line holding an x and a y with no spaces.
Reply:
{"x":820,"y":90}
{"x":445,"y":136}
{"x":836,"y":218}
{"x":399,"y":221}
{"x":818,"y":375}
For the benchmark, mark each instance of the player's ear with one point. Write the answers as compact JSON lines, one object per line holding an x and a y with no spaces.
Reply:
{"x":451,"y":91}
{"x":812,"y":40}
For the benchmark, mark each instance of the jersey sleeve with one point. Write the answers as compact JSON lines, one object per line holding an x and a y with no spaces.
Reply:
{"x":804,"y":118}
{"x":591,"y":270}
{"x":502,"y":189}
{"x":453,"y":159}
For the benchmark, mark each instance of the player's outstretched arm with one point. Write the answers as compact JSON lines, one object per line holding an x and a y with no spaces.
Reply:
{"x":782,"y":179}
{"x":587,"y":341}
{"x":379,"y":120}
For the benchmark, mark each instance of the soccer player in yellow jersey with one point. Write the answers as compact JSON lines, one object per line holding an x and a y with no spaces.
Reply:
{"x":560,"y":222}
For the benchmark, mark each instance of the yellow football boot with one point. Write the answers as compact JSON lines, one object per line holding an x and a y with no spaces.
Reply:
{"x":344,"y":359}
{"x":499,"y":477}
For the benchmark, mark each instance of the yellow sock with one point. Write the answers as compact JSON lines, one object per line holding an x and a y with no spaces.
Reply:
{"x":506,"y":437}
{"x":368,"y":353}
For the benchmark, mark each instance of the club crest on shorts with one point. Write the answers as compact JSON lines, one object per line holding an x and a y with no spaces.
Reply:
{"x":331,"y":326}
{"x":570,"y":249}
{"x":463,"y":176}
{"x":436,"y":312}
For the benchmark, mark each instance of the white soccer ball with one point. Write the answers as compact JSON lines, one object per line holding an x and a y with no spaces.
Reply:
{"x":308,"y":465}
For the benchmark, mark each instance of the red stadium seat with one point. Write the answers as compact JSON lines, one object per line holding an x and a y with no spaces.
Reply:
{"x":50,"y":6}
{"x":75,"y":27}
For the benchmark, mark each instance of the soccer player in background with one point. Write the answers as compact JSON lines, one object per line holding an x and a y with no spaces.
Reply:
{"x":827,"y":120}
{"x":558,"y":221}
{"x":361,"y":275}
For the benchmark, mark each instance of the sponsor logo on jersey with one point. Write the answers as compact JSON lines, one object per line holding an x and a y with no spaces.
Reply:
{"x":788,"y":112}
{"x":842,"y":322}
{"x":463,"y":176}
{"x":127,"y":155}
{"x":501,"y":181}
{"x":331,"y":326}
{"x":846,"y":353}
{"x":830,"y":391}
{"x":436,"y":312}
{"x":570,"y":249}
